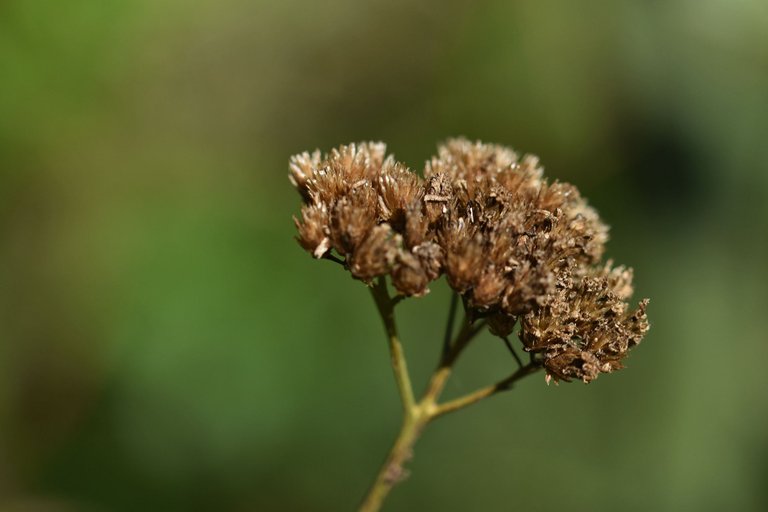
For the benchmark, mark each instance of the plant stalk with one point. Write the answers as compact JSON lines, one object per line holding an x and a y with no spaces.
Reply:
{"x":393,"y":471}
{"x":416,"y":416}
{"x":386,"y":307}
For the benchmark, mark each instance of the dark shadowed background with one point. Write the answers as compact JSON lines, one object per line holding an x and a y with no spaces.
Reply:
{"x":165,"y":345}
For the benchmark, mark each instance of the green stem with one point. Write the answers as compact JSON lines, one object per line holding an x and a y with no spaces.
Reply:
{"x":386,"y":306}
{"x":445,"y":367}
{"x":392,"y":471}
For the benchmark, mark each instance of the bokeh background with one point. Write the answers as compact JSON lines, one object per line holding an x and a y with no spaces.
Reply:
{"x":166,"y":345}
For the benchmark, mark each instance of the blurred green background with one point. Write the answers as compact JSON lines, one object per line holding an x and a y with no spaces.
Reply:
{"x":166,"y":345}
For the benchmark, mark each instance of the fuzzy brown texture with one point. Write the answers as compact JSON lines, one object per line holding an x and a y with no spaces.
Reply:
{"x":586,"y":327}
{"x":519,"y":249}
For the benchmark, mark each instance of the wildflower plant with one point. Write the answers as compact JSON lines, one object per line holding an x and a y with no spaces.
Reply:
{"x":523,"y":255}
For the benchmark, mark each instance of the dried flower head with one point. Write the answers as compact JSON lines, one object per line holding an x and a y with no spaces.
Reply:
{"x":586,"y":328}
{"x":369,"y":209}
{"x":517,"y":248}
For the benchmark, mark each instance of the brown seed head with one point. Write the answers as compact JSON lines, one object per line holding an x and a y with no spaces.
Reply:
{"x":512,"y":244}
{"x":585,"y":328}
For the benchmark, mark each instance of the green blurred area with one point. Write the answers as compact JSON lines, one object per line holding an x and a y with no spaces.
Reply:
{"x":166,"y":345}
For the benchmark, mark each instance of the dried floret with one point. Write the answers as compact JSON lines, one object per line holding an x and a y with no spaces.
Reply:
{"x":398,"y":189}
{"x":352,"y":218}
{"x":464,"y":258}
{"x":303,"y":167}
{"x":417,"y":227}
{"x":431,"y":257}
{"x":470,"y":164}
{"x":375,"y":254}
{"x":408,"y":275}
{"x":313,"y":230}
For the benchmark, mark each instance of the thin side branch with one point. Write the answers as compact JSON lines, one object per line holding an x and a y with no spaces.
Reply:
{"x":502,"y":385}
{"x":468,"y":331}
{"x":445,"y":367}
{"x":449,"y":327}
{"x":512,"y":350}
{"x":330,"y":257}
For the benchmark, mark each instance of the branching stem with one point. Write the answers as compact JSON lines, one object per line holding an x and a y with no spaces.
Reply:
{"x":449,"y":328}
{"x":416,"y":415}
{"x":512,"y":350}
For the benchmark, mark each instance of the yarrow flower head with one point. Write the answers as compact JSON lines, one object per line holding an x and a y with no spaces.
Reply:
{"x":518,"y":249}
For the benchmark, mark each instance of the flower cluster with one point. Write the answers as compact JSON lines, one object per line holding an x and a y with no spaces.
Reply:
{"x":513,"y":245}
{"x":585,"y":327}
